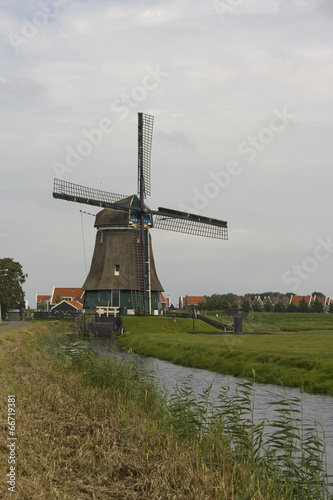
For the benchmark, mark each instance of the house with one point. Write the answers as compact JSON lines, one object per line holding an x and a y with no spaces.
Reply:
{"x":239,"y":301}
{"x":165,"y":301}
{"x":267,"y":303}
{"x":296,"y":299}
{"x":42,"y":299}
{"x":69,"y":294}
{"x":325,"y":301}
{"x":190,"y":301}
{"x":284,"y":299}
{"x":258,"y":301}
{"x":247,"y":297}
{"x":328,"y":303}
{"x":67,"y":307}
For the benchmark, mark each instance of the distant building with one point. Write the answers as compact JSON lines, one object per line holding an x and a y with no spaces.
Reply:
{"x":67,"y":307}
{"x":239,"y":301}
{"x":43,"y":299}
{"x":267,"y":302}
{"x":296,"y":299}
{"x":58,"y":295}
{"x":326,"y":301}
{"x":69,"y":294}
{"x":190,"y":300}
{"x":165,"y":301}
{"x":258,"y":301}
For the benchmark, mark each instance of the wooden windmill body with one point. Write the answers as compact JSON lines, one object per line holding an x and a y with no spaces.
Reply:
{"x":122,"y":272}
{"x":115,"y":276}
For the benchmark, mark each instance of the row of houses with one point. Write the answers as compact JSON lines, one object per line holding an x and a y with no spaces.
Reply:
{"x":286,"y":300}
{"x":188,"y":301}
{"x":72,"y":299}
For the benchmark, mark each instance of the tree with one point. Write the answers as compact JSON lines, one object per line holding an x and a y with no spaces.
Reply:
{"x":331,"y":308}
{"x":279,"y":307}
{"x":257,"y":306}
{"x":201,"y":306}
{"x":42,"y":306}
{"x":216,"y":302}
{"x":230,"y":297}
{"x":303,"y":306}
{"x":225,"y":304}
{"x":268,"y":306}
{"x":317,"y":306}
{"x":11,"y":281}
{"x":246,"y":306}
{"x":58,"y":299}
{"x":292,"y":307}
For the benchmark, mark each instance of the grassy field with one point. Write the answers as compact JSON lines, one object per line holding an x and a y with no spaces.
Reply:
{"x":90,"y":428}
{"x":303,"y":358}
{"x":285,"y":322}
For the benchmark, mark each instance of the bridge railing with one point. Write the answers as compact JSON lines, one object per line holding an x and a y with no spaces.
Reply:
{"x":107,"y":310}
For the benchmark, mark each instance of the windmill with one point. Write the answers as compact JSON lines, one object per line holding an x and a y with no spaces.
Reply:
{"x":123,"y":233}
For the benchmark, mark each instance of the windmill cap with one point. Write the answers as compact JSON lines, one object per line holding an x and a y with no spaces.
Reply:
{"x":108,"y":217}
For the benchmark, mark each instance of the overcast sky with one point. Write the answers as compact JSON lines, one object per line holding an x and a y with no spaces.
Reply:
{"x":241,"y":92}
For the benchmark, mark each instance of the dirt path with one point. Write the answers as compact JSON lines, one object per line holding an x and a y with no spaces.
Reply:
{"x":13,"y":324}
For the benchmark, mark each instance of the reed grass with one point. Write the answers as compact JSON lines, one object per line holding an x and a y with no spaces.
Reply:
{"x":281,"y":449}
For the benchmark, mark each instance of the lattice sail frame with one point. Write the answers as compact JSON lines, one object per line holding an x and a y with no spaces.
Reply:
{"x":188,"y":226}
{"x":147,"y":139}
{"x":75,"y":192}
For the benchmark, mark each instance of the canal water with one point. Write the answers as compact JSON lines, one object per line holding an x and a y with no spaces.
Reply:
{"x":316,"y":408}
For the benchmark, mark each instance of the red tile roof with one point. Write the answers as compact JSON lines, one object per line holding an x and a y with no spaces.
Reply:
{"x":190,"y":300}
{"x":194,"y":300}
{"x":323,"y":300}
{"x":296,"y":299}
{"x":42,"y":298}
{"x":165,"y":300}
{"x":66,"y":293}
{"x":75,"y":303}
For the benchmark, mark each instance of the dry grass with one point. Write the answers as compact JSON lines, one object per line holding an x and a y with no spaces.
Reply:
{"x":77,"y":442}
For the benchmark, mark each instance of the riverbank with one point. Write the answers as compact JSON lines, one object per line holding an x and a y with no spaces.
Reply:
{"x":302,"y":359}
{"x":86,"y":430}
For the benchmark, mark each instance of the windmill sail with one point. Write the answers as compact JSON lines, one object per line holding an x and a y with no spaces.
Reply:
{"x":182,"y":222}
{"x":145,"y":136}
{"x":82,"y":194}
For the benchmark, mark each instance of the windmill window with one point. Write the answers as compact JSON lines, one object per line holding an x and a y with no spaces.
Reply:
{"x":116,"y":269}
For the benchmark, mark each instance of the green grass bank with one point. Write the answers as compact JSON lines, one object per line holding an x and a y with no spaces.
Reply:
{"x":299,"y":354}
